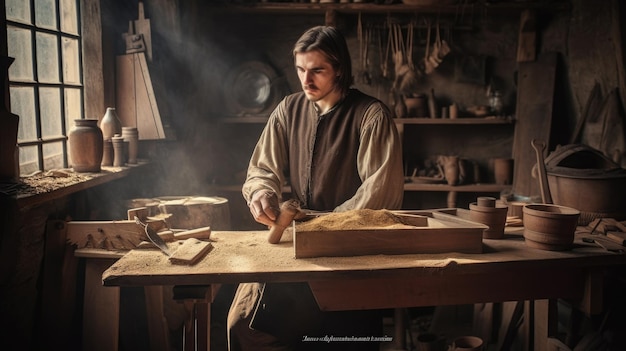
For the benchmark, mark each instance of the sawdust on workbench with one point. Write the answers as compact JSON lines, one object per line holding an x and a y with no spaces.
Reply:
{"x":353,"y":219}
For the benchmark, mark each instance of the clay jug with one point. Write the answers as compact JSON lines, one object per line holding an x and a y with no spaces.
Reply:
{"x":110,"y":124}
{"x":450,"y":168}
{"x":86,"y":145}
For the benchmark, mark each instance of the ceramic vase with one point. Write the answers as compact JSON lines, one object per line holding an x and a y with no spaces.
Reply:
{"x":131,"y":136}
{"x":86,"y":145}
{"x":110,"y":124}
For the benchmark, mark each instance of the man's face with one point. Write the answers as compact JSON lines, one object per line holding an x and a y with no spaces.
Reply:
{"x":317,"y":75}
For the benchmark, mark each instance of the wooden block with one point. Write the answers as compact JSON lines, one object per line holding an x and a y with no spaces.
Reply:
{"x":198,"y":233}
{"x":167,"y":235}
{"x":109,"y":235}
{"x":190,"y":251}
{"x":443,"y":234}
{"x":141,"y":212}
{"x":618,"y":237}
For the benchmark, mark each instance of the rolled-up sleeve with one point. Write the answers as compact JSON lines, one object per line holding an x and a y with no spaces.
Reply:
{"x":269,"y":160}
{"x":379,"y":163}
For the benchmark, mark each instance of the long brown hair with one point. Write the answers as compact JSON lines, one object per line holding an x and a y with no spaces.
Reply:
{"x":331,"y":44}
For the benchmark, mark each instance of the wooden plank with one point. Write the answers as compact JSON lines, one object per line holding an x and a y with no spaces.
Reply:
{"x":125,"y":82}
{"x":535,"y":98}
{"x":198,"y":233}
{"x":190,"y":251}
{"x":527,"y":37}
{"x":137,"y":105}
{"x":148,"y":115}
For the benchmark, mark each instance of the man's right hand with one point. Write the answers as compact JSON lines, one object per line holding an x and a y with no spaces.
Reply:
{"x":264,"y":207}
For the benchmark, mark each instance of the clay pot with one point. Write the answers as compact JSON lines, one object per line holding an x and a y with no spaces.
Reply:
{"x":486,"y":211}
{"x":416,"y":106}
{"x":503,"y":171}
{"x":516,"y":203}
{"x":131,"y":136}
{"x":85,"y":145}
{"x":550,"y":227}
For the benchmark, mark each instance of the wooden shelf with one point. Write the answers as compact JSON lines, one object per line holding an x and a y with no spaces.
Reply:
{"x":463,"y":121}
{"x":409,"y":120}
{"x":245,"y":119}
{"x":470,"y":188}
{"x":370,"y":7}
{"x":108,"y":174}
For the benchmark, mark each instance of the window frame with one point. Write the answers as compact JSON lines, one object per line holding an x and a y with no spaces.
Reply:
{"x":62,"y":86}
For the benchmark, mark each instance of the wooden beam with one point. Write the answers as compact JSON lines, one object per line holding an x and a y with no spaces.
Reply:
{"x":527,"y":38}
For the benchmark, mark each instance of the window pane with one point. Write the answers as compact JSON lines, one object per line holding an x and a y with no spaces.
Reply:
{"x":46,"y":14}
{"x":28,"y":159}
{"x":47,"y":58}
{"x":20,"y":47}
{"x":18,"y":10}
{"x":50,"y":110}
{"x":71,"y":73}
{"x":69,"y":17}
{"x":23,"y":105}
{"x":53,"y":155}
{"x":72,"y":107}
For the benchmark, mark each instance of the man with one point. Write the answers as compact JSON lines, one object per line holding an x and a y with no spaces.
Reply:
{"x":340,"y":150}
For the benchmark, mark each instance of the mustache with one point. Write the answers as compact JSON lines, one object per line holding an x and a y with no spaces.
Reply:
{"x":310,"y":86}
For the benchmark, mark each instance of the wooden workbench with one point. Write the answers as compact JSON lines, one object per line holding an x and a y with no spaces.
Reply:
{"x":507,"y":270}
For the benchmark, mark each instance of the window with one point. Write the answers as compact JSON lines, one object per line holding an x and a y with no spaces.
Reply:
{"x":45,"y":80}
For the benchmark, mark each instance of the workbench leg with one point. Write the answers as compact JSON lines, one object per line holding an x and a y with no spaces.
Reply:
{"x":203,"y":317}
{"x":157,"y":324}
{"x":197,"y":326}
{"x":101,"y":309}
{"x":399,"y":323}
{"x":542,"y":319}
{"x":197,"y":301}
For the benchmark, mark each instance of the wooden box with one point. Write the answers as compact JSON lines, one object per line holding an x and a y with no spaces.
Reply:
{"x":436,"y":231}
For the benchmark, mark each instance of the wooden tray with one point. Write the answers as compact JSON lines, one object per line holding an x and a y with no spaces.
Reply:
{"x":437,"y":231}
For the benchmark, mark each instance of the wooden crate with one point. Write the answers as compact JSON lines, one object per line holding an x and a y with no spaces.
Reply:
{"x":438,"y":231}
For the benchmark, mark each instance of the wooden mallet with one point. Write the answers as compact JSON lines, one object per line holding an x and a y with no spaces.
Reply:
{"x":288,"y":211}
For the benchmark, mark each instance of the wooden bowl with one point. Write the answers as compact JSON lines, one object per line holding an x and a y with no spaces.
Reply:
{"x":549,"y":227}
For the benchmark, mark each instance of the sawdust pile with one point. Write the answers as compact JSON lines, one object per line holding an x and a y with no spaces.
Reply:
{"x":48,"y":181}
{"x":354,"y":219}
